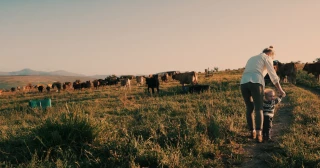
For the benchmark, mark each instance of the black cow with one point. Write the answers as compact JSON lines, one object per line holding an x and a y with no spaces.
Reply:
{"x":48,"y":88}
{"x":153,"y":82}
{"x":199,"y":88}
{"x":102,"y":82}
{"x":112,"y":80}
{"x":13,"y":89}
{"x":40,"y":88}
{"x":96,"y":84}
{"x":58,"y":85}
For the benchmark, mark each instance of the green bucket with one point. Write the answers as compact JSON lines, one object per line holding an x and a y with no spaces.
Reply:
{"x":40,"y":103}
{"x":34,"y":103}
{"x":46,"y":103}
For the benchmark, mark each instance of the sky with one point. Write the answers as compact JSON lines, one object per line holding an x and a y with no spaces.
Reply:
{"x":120,"y":37}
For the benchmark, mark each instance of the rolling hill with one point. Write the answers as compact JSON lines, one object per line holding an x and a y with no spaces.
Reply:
{"x":30,"y":72}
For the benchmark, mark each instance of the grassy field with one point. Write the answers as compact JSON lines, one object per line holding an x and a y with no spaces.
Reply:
{"x":113,"y":127}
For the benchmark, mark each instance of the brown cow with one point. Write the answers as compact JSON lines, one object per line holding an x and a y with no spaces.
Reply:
{"x":313,"y":68}
{"x":186,"y":78}
{"x":288,"y":70}
{"x":140,"y":80}
{"x":66,"y":85}
{"x":165,"y":77}
{"x":125,"y":83}
{"x":28,"y":87}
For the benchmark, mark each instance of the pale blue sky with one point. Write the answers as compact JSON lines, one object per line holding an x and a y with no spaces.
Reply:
{"x":144,"y":36}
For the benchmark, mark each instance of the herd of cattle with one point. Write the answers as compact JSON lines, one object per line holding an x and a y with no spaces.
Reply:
{"x":288,"y":71}
{"x":285,"y":71}
{"x":152,"y":82}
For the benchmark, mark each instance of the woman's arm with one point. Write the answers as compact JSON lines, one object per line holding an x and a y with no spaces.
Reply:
{"x":279,"y":88}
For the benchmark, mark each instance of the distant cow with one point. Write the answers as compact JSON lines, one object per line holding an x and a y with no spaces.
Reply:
{"x":186,"y":78}
{"x":57,"y":85}
{"x":96,"y":84}
{"x":140,"y":80}
{"x":127,"y":76}
{"x":112,"y":80}
{"x":76,"y":85}
{"x":66,"y":85}
{"x":288,"y":70}
{"x":170,"y":73}
{"x":0,"y":91}
{"x":28,"y":87}
{"x":102,"y":82}
{"x":153,"y":82}
{"x":125,"y":83}
{"x":86,"y":84}
{"x":48,"y":88}
{"x":199,"y":88}
{"x":313,"y":68}
{"x":165,"y":77}
{"x":13,"y":89}
{"x":40,"y":88}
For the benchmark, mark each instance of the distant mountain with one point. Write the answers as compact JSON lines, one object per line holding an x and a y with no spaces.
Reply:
{"x":30,"y":72}
{"x":99,"y":76}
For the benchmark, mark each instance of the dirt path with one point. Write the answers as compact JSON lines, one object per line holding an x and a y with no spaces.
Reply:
{"x":258,"y":154}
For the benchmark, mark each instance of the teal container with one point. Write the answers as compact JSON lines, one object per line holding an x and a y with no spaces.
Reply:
{"x":46,"y":103}
{"x":34,"y":103}
{"x":40,"y":103}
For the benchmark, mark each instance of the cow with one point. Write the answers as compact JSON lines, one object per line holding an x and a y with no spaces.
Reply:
{"x":112,"y":80}
{"x":96,"y":84}
{"x":1,"y":91}
{"x":199,"y":88}
{"x":165,"y":77}
{"x":170,"y":73}
{"x":57,"y":85}
{"x":28,"y":87}
{"x":48,"y":88}
{"x":140,"y":80}
{"x":125,"y":83}
{"x":13,"y":89}
{"x":127,"y":76}
{"x":186,"y":78}
{"x":76,"y":85}
{"x":66,"y":85}
{"x":40,"y":88}
{"x":102,"y":82}
{"x":153,"y":82}
{"x":286,"y":70}
{"x":313,"y":68}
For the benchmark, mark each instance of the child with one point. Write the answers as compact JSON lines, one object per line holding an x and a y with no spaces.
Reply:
{"x":269,"y":103}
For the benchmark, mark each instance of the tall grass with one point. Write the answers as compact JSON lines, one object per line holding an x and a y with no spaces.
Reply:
{"x":308,"y":80}
{"x":300,"y":144}
{"x":109,"y":128}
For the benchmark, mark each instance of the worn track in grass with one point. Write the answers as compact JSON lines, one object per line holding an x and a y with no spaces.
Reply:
{"x":259,"y":154}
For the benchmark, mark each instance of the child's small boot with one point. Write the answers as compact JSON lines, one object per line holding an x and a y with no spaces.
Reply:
{"x":259,"y":136}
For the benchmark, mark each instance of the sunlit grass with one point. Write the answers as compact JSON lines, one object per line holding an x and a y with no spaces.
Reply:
{"x":114,"y":127}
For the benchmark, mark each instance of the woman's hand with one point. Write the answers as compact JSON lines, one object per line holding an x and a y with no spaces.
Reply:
{"x":282,"y":93}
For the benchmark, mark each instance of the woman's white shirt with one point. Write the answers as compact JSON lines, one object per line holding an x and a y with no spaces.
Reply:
{"x":256,"y":69}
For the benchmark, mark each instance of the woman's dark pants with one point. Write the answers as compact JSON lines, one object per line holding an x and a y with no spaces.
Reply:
{"x":254,"y":105}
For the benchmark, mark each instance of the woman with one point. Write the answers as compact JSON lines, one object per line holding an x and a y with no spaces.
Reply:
{"x":252,"y":88}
